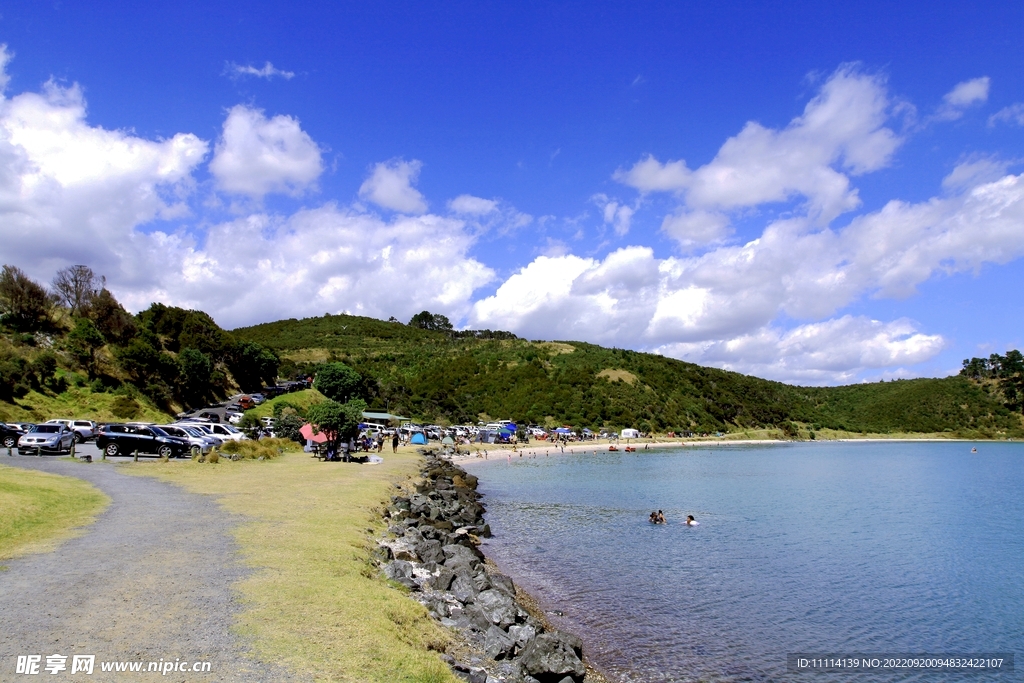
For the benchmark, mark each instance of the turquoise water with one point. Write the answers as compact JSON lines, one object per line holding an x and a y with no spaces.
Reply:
{"x":837,"y":547}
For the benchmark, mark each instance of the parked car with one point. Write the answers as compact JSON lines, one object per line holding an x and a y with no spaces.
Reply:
{"x":233,"y":417}
{"x":246,"y":403}
{"x":200,"y":443}
{"x":83,"y":429}
{"x":124,"y":439}
{"x":55,"y":438}
{"x":257,"y":398}
{"x":10,"y":435}
{"x":226,"y":432}
{"x":203,"y":428}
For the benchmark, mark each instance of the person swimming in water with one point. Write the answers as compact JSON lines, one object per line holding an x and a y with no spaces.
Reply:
{"x":661,"y":517}
{"x":690,"y":521}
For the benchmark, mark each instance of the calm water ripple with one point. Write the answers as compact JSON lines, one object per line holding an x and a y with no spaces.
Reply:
{"x":839,"y":547}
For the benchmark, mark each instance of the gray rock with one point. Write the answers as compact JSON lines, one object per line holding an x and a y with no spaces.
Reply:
{"x":482,"y":581}
{"x":430,"y":551}
{"x":459,"y":552}
{"x":403,"y":549}
{"x":522,"y":634}
{"x":400,"y":571}
{"x":497,"y":644}
{"x":500,"y":582}
{"x":464,"y":588}
{"x":443,"y":580}
{"x":498,"y":607}
{"x":551,"y":657}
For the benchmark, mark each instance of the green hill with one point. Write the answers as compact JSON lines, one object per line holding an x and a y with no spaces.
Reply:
{"x":465,"y":376}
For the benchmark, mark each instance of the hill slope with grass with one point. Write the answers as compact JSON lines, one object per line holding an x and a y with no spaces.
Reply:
{"x":447,"y":376}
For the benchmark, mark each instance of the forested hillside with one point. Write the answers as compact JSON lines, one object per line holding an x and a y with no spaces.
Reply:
{"x":73,"y":348}
{"x":451,"y":376}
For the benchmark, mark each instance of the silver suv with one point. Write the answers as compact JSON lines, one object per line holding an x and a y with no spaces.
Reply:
{"x":83,"y":429}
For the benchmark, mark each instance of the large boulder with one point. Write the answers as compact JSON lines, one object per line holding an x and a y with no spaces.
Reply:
{"x":497,"y":644}
{"x":456,"y":555}
{"x":498,"y":607}
{"x":552,"y":656}
{"x":500,"y":582}
{"x":430,"y":551}
{"x":522,"y":634}
{"x":464,"y":588}
{"x":400,"y":571}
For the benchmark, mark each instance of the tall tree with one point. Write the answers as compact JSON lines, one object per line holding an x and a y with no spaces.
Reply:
{"x":24,"y":304}
{"x":431,"y":321}
{"x":114,"y":323}
{"x":338,"y":421}
{"x":337,"y":381}
{"x":75,"y":287}
{"x":83,"y":342}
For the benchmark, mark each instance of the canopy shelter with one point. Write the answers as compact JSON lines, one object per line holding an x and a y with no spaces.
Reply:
{"x":376,"y":419}
{"x":563,"y":430}
{"x":306,"y":431}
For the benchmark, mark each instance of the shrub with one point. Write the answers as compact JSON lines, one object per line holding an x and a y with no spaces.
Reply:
{"x":254,"y":450}
{"x":213,"y":457}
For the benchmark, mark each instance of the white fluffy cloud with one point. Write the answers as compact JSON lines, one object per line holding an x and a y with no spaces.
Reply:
{"x":256,"y":155}
{"x":390,"y":186}
{"x":841,"y":132}
{"x":74,"y":193}
{"x":321,"y":260}
{"x":826,"y":352}
{"x":735,"y":294}
{"x":615,"y":214}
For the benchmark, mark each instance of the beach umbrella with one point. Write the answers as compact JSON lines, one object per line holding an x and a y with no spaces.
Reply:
{"x":306,"y":431}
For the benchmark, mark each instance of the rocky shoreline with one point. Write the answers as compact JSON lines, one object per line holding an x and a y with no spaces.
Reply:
{"x":431,"y":547}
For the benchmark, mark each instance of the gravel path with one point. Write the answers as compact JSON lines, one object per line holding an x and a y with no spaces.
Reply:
{"x":150,"y":580}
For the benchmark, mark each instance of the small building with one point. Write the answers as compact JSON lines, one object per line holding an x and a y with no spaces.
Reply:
{"x":630,"y":434}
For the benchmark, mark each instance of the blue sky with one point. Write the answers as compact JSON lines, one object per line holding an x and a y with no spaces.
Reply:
{"x":813,"y":193}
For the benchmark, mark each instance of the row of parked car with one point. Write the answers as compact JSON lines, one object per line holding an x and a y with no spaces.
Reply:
{"x":175,"y":440}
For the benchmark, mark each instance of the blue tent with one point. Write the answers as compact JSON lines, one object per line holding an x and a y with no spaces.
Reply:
{"x":419,"y":438}
{"x":563,"y":430}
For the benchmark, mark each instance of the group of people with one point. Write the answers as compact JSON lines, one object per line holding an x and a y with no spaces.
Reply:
{"x":658,"y":517}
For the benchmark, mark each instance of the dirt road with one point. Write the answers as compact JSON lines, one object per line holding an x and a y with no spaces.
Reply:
{"x":149,"y":581}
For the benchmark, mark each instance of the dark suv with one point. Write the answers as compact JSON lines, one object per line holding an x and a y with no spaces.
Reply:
{"x":126,"y":439}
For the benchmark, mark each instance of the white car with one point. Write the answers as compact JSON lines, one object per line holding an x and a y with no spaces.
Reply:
{"x":83,"y":429}
{"x":201,"y":443}
{"x":226,"y":432}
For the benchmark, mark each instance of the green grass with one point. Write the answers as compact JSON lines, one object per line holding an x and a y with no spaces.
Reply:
{"x":315,"y":603}
{"x":76,"y":402}
{"x":39,"y":510}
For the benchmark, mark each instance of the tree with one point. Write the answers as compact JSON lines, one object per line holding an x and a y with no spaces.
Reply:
{"x":194,"y":377}
{"x":338,"y":421}
{"x":24,"y":304}
{"x":82,"y":342}
{"x":337,"y":381}
{"x":251,"y":425}
{"x":75,"y":287}
{"x":431,"y":321}
{"x":253,"y":365}
{"x":115,"y":324}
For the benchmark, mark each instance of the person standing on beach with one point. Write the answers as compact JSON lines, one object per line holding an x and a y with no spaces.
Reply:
{"x":394,"y":443}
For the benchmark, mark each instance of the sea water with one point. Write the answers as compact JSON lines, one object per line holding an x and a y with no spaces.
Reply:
{"x":845,"y":548}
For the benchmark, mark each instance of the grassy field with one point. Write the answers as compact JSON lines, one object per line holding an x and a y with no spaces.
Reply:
{"x":76,"y":402}
{"x":315,"y":603}
{"x":39,"y":510}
